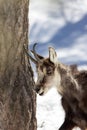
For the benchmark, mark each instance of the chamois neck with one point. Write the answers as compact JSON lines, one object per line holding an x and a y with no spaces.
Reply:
{"x":68,"y":83}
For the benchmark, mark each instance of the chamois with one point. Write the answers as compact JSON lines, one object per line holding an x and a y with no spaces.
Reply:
{"x":72,"y":85}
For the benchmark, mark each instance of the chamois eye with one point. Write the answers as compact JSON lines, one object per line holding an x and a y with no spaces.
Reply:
{"x":49,"y":71}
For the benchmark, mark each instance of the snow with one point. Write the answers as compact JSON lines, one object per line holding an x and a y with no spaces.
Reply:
{"x":50,"y":113}
{"x":62,"y":25}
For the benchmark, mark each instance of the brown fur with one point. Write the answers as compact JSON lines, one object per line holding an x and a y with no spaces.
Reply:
{"x":74,"y":101}
{"x":70,"y":83}
{"x":73,"y":89}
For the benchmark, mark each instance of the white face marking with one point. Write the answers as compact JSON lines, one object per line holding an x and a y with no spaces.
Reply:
{"x":40,"y":76}
{"x":50,"y":81}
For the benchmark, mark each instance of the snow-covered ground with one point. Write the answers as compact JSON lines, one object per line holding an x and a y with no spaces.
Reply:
{"x":62,"y":25}
{"x":50,"y":114}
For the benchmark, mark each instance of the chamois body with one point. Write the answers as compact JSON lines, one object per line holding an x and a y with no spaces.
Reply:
{"x":70,"y":83}
{"x":74,"y":99}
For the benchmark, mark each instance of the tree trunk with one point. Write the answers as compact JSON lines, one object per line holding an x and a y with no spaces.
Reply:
{"x":17,"y":98}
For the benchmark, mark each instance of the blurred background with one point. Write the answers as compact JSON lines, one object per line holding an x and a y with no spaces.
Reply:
{"x":63,"y":25}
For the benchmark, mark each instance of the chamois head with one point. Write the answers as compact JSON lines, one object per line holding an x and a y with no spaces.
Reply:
{"x":46,"y":69}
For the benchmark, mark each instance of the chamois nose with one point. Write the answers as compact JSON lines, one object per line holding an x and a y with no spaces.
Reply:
{"x":37,"y":89}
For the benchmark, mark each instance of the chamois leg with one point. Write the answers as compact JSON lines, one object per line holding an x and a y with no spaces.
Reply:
{"x":67,"y":125}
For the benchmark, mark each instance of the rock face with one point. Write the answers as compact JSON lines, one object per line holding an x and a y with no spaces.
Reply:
{"x":17,"y":98}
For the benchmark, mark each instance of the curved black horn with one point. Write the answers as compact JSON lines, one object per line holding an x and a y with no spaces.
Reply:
{"x":35,"y":54}
{"x":32,"y":59}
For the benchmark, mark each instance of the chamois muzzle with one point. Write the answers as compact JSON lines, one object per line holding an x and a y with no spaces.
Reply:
{"x":38,"y":90}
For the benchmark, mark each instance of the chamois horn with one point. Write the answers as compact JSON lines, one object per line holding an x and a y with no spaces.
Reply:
{"x":35,"y":54}
{"x":29,"y":55}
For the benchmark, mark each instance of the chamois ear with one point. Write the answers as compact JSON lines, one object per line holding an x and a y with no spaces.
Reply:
{"x":52,"y":55}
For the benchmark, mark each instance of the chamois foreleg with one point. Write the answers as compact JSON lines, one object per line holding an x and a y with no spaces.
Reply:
{"x":67,"y":125}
